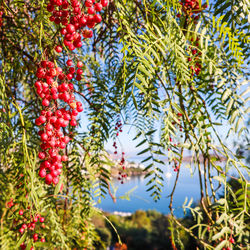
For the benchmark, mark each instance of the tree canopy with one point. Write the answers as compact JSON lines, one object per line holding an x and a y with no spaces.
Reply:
{"x":176,"y":71}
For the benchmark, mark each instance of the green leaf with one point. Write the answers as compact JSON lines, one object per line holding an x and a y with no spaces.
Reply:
{"x":143,"y":151}
{"x":58,"y":186}
{"x":221,"y":233}
{"x":221,"y":245}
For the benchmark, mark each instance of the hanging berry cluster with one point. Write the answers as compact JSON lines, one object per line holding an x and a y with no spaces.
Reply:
{"x":53,"y":118}
{"x":195,"y":56}
{"x":192,"y":7}
{"x":10,"y":203}
{"x":71,"y":15}
{"x":191,"y":10}
{"x":33,"y":225}
{"x":122,"y":175}
{"x":118,"y":129}
{"x":55,"y":85}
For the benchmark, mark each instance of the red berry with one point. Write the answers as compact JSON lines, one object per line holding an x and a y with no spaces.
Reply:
{"x":21,"y":212}
{"x":79,"y":71}
{"x":42,"y":119}
{"x":104,"y":3}
{"x":23,"y":246}
{"x":50,"y":7}
{"x":42,"y":219}
{"x":55,"y":180}
{"x":70,"y":28}
{"x":64,"y":158}
{"x":79,"y":64}
{"x":58,"y":48}
{"x":54,"y":173}
{"x":35,"y":237}
{"x":45,"y":102}
{"x":88,"y":3}
{"x":69,"y":76}
{"x":69,"y":62}
{"x":44,"y":64}
{"x":91,"y":10}
{"x":44,"y":137}
{"x":48,"y":178}
{"x":72,"y":70}
{"x":79,"y":108}
{"x":41,"y":155}
{"x":66,"y":139}
{"x":49,"y":127}
{"x":98,"y":7}
{"x":58,"y":2}
{"x":73,"y":123}
{"x":97,"y":18}
{"x":42,"y":173}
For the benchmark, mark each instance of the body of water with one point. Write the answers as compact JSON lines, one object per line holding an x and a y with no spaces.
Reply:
{"x":187,"y":187}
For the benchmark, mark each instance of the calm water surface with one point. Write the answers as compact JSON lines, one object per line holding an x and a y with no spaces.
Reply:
{"x":187,"y":186}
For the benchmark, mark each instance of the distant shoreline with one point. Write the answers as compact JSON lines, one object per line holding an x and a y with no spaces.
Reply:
{"x":137,"y":169}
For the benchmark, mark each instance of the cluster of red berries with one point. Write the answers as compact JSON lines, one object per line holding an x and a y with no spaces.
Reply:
{"x":25,"y":222}
{"x":53,"y":118}
{"x":118,"y":129}
{"x":192,"y":6}
{"x":122,"y":175}
{"x":232,"y":241}
{"x":74,"y":72}
{"x":10,"y":203}
{"x":176,"y":166}
{"x":29,"y":224}
{"x":70,"y":14}
{"x":1,"y":19}
{"x":191,"y":9}
{"x":195,"y":59}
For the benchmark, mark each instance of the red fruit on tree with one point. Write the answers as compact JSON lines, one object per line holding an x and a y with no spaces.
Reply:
{"x":58,"y":48}
{"x":48,"y":178}
{"x":42,"y":173}
{"x":45,"y":102}
{"x":55,"y":180}
{"x":98,"y":7}
{"x":70,"y":28}
{"x":97,"y":18}
{"x":88,"y":3}
{"x":91,"y":10}
{"x":79,"y":64}
{"x":41,"y":155}
{"x":104,"y":3}
{"x":42,"y":219}
{"x":69,"y":62}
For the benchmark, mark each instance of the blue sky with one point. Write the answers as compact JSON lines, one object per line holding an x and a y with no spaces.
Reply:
{"x":126,"y":143}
